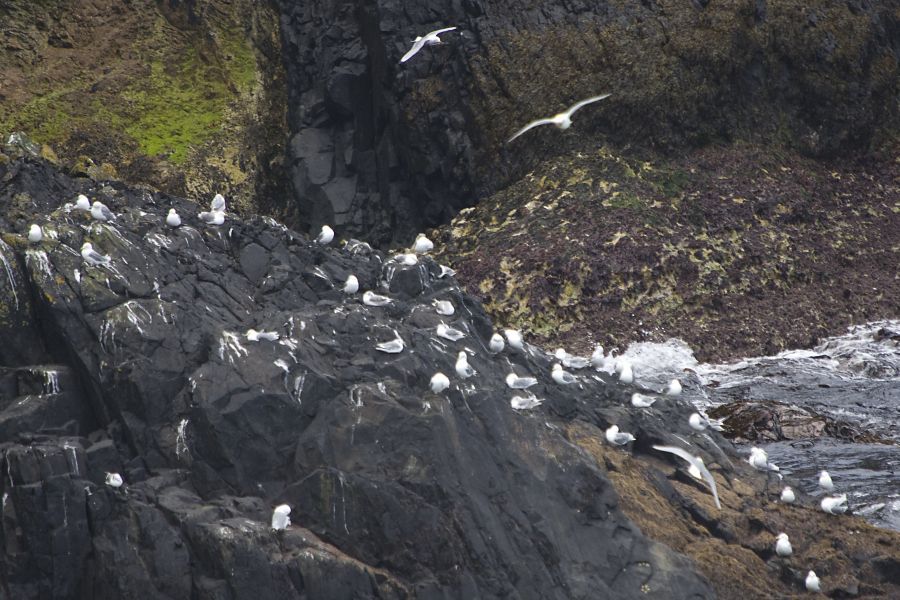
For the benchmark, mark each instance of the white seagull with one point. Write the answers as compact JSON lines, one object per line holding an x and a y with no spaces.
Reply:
{"x":619,"y":439}
{"x":520,"y":383}
{"x":525,"y":402}
{"x":212,"y":218}
{"x":787,"y":495}
{"x":626,"y":375}
{"x":82,"y":203}
{"x":92,"y":257}
{"x":598,"y":359}
{"x":444,"y":307}
{"x":759,"y":460}
{"x":514,"y":339}
{"x":641,"y":401}
{"x":560,"y":376}
{"x":394,"y":346}
{"x":697,"y":467}
{"x":834,"y":504}
{"x":439,"y":383}
{"x":446,"y":272}
{"x":812,"y":582}
{"x":462,"y":365}
{"x":825,"y":481}
{"x":783,"y":545}
{"x":172,"y":219}
{"x":280,"y":518}
{"x":325,"y":236}
{"x":674,"y":388}
{"x":407,"y":260}
{"x":697,"y":422}
{"x":570,"y":361}
{"x":448,"y":333}
{"x":373,"y":299}
{"x":256,"y":336}
{"x":35,"y":235}
{"x":428,"y":39}
{"x":114,"y":480}
{"x":496,"y":344}
{"x":422,"y":244}
{"x":100,"y":212}
{"x":351,"y":286}
{"x":217,"y":204}
{"x":562,"y":120}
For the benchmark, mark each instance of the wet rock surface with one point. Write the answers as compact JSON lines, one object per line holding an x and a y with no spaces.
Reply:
{"x":396,"y":492}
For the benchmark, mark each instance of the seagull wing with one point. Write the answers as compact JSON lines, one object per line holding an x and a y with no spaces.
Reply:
{"x":437,"y":32}
{"x":585,"y":102}
{"x":531,"y":125}
{"x":218,"y":203}
{"x":412,"y":51}
{"x":696,"y":463}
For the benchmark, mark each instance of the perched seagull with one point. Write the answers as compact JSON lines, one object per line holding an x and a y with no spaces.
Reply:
{"x":114,"y":480}
{"x":395,"y":346}
{"x":325,"y":236}
{"x":172,"y":219}
{"x":525,"y":402}
{"x":626,"y":375}
{"x":787,"y":495}
{"x":217,"y":204}
{"x":462,"y":365}
{"x":697,"y":467}
{"x":641,"y":401}
{"x":82,"y":203}
{"x":448,"y":333}
{"x":496,"y":344}
{"x":618,"y":439}
{"x":834,"y":504}
{"x":35,"y":235}
{"x":439,"y":383}
{"x":598,"y":359}
{"x":422,"y":244}
{"x":256,"y":336}
{"x":92,"y":257}
{"x":759,"y":460}
{"x":783,"y":545}
{"x":514,"y":339}
{"x":407,"y":260}
{"x":812,"y":582}
{"x":446,"y":272}
{"x":520,"y":383}
{"x":444,"y":307}
{"x":674,"y":388}
{"x":280,"y":518}
{"x":351,"y":286}
{"x":562,"y":377}
{"x":100,"y":212}
{"x":825,"y":481}
{"x":697,"y":422}
{"x":429,"y":39}
{"x":570,"y":361}
{"x":212,"y":218}
{"x":562,"y":120}
{"x":373,"y":299}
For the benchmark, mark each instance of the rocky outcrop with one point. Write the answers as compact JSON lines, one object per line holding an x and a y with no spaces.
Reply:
{"x":383,"y":149}
{"x":143,"y":367}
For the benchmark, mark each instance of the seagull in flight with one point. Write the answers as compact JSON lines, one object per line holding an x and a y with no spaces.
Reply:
{"x":562,"y":120}
{"x":697,"y":463}
{"x":427,"y":40}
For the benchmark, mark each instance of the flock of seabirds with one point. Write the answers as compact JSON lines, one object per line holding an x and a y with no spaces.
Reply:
{"x":599,"y":360}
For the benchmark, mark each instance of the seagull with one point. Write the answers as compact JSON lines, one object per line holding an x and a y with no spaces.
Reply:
{"x":462,"y":365}
{"x":217,"y":204}
{"x":395,"y":346}
{"x":759,"y":460}
{"x":35,"y":235}
{"x":626,"y":375}
{"x":825,"y":481}
{"x":570,"y":361}
{"x":255,"y":336}
{"x":100,"y":212}
{"x":114,"y":480}
{"x":212,"y":218}
{"x":697,"y":467}
{"x":562,"y":377}
{"x":520,"y":383}
{"x":280,"y":518}
{"x":787,"y":495}
{"x":448,"y":333}
{"x":444,"y":307}
{"x":428,"y":39}
{"x":373,"y":299}
{"x":514,"y":338}
{"x":496,"y":344}
{"x":783,"y":545}
{"x":351,"y":286}
{"x":562,"y":120}
{"x":92,"y":257}
{"x":422,"y":245}
{"x":697,"y":422}
{"x":82,"y":203}
{"x":172,"y":219}
{"x":812,"y":582}
{"x":325,"y":236}
{"x":446,"y":272}
{"x":598,"y":359}
{"x":619,"y":439}
{"x":641,"y":401}
{"x":407,"y":260}
{"x":525,"y":402}
{"x":439,"y":383}
{"x":834,"y":504}
{"x":674,"y":388}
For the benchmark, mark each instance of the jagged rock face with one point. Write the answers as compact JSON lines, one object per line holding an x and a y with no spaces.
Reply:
{"x":383,"y":149}
{"x":144,"y":369}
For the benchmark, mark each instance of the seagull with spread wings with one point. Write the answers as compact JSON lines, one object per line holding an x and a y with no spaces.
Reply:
{"x":562,"y":120}
{"x":697,"y":466}
{"x":427,"y":40}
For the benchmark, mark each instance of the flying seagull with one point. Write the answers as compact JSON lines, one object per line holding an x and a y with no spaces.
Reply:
{"x":697,"y":464}
{"x":427,"y":40}
{"x":562,"y":120}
